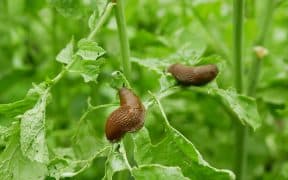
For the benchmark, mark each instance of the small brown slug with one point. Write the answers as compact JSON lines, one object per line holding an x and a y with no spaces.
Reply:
{"x":197,"y":76}
{"x":129,"y":117}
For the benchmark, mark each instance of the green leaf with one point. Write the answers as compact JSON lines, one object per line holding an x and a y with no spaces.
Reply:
{"x":157,"y":65}
{"x":93,"y":20}
{"x":66,"y":55}
{"x":19,"y":107}
{"x":6,"y":132}
{"x":156,"y":172}
{"x":118,"y":80}
{"x":166,"y":81}
{"x":63,"y":162}
{"x":89,"y":70}
{"x":32,"y":130}
{"x":244,"y":107}
{"x":181,"y":153}
{"x":101,"y":4}
{"x":115,"y":163}
{"x":275,"y":94}
{"x":13,"y":165}
{"x":89,"y":50}
{"x":187,"y":54}
{"x":76,"y":8}
{"x":189,"y":58}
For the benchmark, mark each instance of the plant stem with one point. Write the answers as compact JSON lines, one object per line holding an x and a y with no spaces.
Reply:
{"x":241,"y":153}
{"x":102,"y":20}
{"x":254,"y":76}
{"x":237,"y":38}
{"x":124,"y":43}
{"x":241,"y":131}
{"x":256,"y":66}
{"x":266,"y":23}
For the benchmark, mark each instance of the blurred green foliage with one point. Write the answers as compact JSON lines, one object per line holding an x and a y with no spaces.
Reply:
{"x":33,"y":33}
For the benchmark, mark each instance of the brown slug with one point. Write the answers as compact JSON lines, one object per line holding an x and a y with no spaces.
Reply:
{"x":197,"y":76}
{"x":129,"y":117}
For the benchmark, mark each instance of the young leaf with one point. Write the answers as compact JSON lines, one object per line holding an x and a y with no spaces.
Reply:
{"x":244,"y":107}
{"x":156,"y":171}
{"x":66,"y":55}
{"x":96,"y":13}
{"x":89,"y":70}
{"x":93,"y":20}
{"x":89,"y":50}
{"x":118,"y":80}
{"x":32,"y":130}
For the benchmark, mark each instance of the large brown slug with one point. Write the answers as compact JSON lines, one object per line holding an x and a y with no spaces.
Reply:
{"x":129,"y":117}
{"x":197,"y":76}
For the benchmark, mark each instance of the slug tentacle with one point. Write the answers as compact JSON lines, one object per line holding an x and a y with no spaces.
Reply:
{"x":129,"y":117}
{"x":197,"y":76}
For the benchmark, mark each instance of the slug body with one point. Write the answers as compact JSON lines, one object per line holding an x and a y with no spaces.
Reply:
{"x":129,"y":117}
{"x":197,"y":76}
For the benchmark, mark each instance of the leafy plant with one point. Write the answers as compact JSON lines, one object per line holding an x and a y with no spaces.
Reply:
{"x":79,"y":53}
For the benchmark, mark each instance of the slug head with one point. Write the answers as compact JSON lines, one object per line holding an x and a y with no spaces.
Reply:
{"x":127,"y":97}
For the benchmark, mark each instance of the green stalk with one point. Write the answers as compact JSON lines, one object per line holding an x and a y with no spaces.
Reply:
{"x":241,"y":131}
{"x":254,"y":76}
{"x":124,"y":43}
{"x":256,"y":66}
{"x":238,"y":38}
{"x":102,"y":20}
{"x":266,"y":23}
{"x":241,"y":152}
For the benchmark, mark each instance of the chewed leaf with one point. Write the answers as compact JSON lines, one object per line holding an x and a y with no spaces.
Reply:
{"x":115,"y":163}
{"x":156,"y":171}
{"x":244,"y":107}
{"x":89,"y":70}
{"x":89,"y":50}
{"x":32,"y":131}
{"x":66,"y":55}
{"x":13,"y":165}
{"x":181,"y":153}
